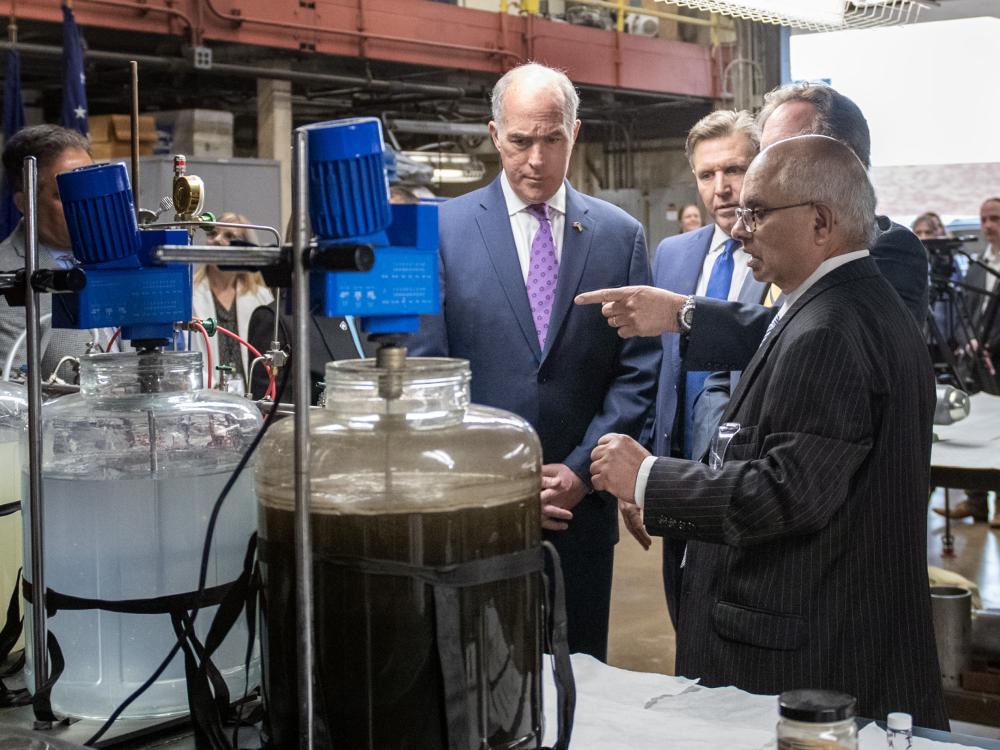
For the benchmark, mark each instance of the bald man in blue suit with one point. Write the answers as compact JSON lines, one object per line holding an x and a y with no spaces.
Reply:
{"x":531,"y":350}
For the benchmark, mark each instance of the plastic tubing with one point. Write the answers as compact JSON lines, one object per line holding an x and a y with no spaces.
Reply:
{"x":208,"y":349}
{"x":253,"y":350}
{"x":9,"y":364}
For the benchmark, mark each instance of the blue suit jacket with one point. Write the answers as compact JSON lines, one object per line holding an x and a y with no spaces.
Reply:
{"x":676,"y":268}
{"x":587,"y":381}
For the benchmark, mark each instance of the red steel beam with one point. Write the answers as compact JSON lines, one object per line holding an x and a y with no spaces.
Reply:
{"x":409,"y":31}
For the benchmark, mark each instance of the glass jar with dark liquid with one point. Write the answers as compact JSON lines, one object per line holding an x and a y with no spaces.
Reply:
{"x":404,"y":470}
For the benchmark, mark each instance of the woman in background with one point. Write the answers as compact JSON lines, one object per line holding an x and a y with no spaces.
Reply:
{"x":230,"y":297}
{"x":690,"y":218}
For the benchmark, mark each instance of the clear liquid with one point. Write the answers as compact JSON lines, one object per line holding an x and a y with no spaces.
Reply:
{"x":134,"y":539}
{"x":10,"y":526}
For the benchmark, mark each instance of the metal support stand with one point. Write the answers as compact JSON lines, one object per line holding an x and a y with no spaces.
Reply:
{"x":31,"y":307}
{"x":947,"y":541}
{"x":300,"y":347}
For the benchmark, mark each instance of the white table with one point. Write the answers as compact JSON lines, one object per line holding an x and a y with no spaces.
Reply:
{"x":967,"y":453}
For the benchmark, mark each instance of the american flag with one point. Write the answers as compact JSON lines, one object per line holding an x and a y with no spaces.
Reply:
{"x":13,"y":120}
{"x":74,"y":103}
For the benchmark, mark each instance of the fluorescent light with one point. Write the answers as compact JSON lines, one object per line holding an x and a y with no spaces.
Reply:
{"x":450,"y":166}
{"x":814,"y":15}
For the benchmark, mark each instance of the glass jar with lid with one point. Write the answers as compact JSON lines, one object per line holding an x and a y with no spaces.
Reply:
{"x":13,"y":424}
{"x":816,"y":720}
{"x":407,"y":479}
{"x":132,"y":466}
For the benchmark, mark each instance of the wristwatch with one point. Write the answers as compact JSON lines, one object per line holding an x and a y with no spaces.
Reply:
{"x":685,"y":316}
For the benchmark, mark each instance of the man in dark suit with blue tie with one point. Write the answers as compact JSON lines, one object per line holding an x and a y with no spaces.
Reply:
{"x":707,"y":262}
{"x":807,"y":562}
{"x":513,"y":256}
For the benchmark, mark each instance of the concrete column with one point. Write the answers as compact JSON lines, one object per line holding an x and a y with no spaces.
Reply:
{"x":274,"y":135}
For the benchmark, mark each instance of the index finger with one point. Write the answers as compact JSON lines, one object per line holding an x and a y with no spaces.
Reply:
{"x":610,"y":294}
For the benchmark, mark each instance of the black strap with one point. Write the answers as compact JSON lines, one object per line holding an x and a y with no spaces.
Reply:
{"x":13,"y":626}
{"x":458,"y":575}
{"x":558,"y":638}
{"x":208,"y":695}
{"x":159,"y":605}
{"x":446,"y":581}
{"x":8,"y":638}
{"x":8,"y":509}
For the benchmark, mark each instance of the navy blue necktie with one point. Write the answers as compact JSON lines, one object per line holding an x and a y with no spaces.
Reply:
{"x":719,"y":282}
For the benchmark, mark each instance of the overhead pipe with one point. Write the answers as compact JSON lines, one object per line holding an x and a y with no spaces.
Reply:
{"x":252,"y":71}
{"x":360,"y":35}
{"x":143,"y":8}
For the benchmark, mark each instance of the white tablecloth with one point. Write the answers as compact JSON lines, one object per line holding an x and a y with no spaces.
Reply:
{"x":621,"y":710}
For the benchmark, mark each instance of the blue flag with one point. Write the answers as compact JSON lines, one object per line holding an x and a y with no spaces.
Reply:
{"x":74,"y":103}
{"x":13,"y":120}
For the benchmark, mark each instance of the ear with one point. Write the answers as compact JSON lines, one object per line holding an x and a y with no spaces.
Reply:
{"x":823,"y":223}
{"x":576,"y":130}
{"x":19,"y":201}
{"x":495,"y":134}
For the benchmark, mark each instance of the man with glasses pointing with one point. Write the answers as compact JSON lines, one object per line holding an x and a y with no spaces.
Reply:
{"x":806,"y":562}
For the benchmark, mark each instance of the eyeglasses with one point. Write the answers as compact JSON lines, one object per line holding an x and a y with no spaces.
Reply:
{"x":751,"y":217}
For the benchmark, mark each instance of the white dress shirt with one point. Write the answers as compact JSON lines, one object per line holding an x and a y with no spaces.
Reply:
{"x":740,"y":258}
{"x":524,"y":225}
{"x":828,"y":265}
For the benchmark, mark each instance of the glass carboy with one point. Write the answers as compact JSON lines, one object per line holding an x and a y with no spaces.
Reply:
{"x":13,"y":423}
{"x":132,"y":466}
{"x":408,"y":481}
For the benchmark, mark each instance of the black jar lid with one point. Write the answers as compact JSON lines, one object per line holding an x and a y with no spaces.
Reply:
{"x":817,"y":706}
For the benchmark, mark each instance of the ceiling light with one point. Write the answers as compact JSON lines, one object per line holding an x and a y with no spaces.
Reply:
{"x":450,"y":166}
{"x":814,"y":15}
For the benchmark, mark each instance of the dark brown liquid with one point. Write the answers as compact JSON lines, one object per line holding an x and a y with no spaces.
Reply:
{"x":379,"y":684}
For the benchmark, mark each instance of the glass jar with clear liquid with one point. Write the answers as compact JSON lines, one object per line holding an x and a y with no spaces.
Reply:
{"x":13,"y":424}
{"x":132,"y":466}
{"x":403,"y":471}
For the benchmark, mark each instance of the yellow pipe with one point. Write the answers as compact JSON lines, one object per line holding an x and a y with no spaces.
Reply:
{"x":621,"y":15}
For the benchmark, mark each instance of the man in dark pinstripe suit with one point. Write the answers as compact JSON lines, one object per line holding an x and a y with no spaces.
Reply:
{"x":806,"y":560}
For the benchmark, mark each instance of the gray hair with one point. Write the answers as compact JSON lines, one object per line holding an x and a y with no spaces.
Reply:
{"x":825,"y":170}
{"x":836,"y":115}
{"x":722,"y":124}
{"x":538,"y":75}
{"x":45,"y":143}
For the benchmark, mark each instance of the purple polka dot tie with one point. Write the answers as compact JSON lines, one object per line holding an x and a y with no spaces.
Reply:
{"x":543,"y":270}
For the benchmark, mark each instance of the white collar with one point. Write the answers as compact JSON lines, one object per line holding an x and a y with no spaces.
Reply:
{"x":514,"y":203}
{"x":719,"y":237}
{"x":822,"y":270}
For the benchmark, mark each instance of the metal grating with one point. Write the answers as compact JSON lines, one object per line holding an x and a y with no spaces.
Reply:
{"x":814,"y":15}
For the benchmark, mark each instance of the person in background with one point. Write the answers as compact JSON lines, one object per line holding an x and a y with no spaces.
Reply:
{"x":228,"y":297}
{"x":57,"y":150}
{"x":690,"y":218}
{"x":976,"y":502}
{"x":928,"y":226}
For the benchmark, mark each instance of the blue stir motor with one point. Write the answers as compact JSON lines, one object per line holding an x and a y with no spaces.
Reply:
{"x":124,"y":287}
{"x":349,"y":205}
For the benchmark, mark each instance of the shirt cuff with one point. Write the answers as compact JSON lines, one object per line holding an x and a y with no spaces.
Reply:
{"x":641,"y":478}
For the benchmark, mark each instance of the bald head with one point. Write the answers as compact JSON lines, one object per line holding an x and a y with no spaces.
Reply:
{"x":812,"y":200}
{"x":821,"y":169}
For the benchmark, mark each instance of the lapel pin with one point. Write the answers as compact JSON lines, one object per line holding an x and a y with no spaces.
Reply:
{"x":577,"y":226}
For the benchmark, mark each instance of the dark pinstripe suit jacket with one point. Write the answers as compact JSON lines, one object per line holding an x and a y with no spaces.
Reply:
{"x":807,"y":565}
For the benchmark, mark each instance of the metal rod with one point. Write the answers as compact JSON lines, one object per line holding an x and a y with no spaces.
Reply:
{"x":213,"y":224}
{"x":133,"y":68}
{"x":33,"y":328}
{"x":300,"y":349}
{"x":218,"y":254}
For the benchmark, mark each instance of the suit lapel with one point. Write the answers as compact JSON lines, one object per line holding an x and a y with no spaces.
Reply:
{"x":575,"y":249}
{"x":854,"y":270}
{"x":494,"y":227}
